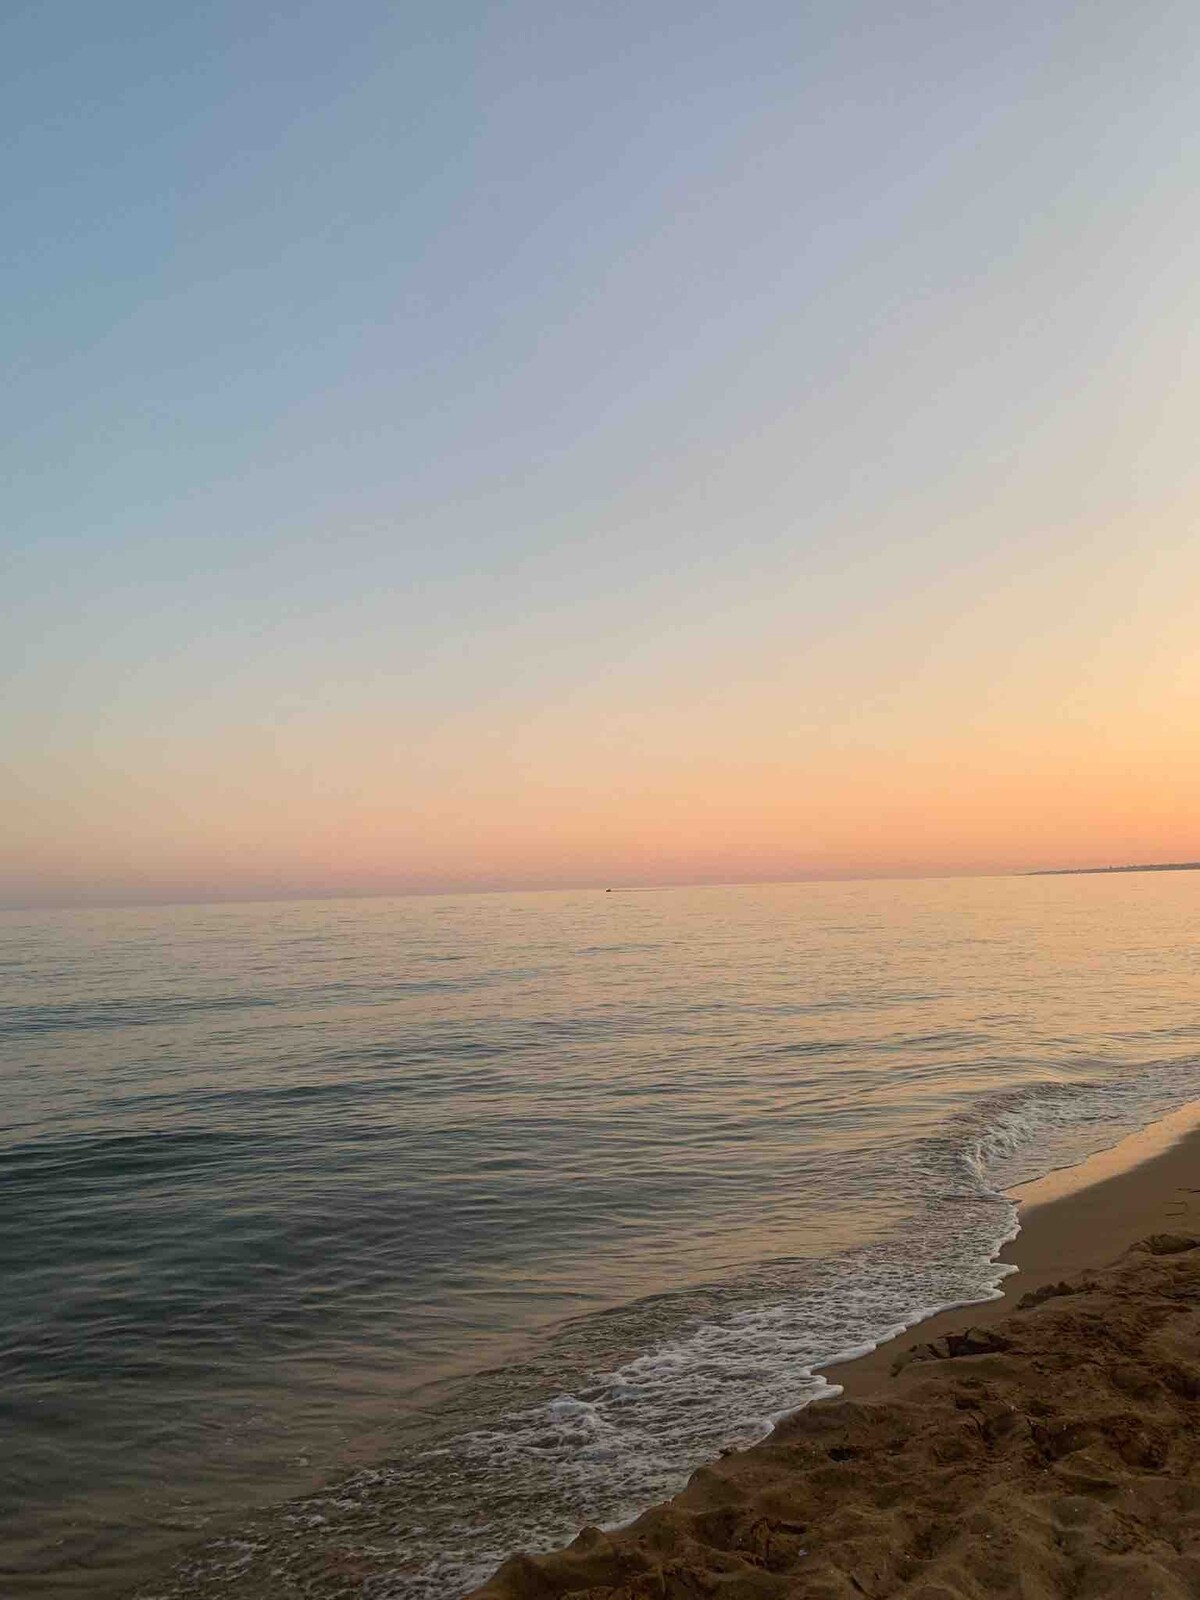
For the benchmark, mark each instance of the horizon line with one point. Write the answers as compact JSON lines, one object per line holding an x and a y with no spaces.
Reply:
{"x":598,"y":886}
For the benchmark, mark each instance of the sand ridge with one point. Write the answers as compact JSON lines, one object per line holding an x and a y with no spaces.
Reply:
{"x":1054,"y":1452}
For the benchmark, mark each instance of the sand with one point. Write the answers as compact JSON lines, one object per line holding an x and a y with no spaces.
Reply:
{"x":1045,"y":1444}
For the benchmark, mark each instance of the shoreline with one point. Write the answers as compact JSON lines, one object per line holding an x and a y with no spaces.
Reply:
{"x":1148,"y":1183}
{"x":1082,"y":1238}
{"x":1071,"y":1219}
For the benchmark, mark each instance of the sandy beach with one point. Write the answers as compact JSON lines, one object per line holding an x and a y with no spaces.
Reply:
{"x":1043,"y":1444}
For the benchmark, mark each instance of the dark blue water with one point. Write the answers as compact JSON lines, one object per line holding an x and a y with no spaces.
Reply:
{"x":557,"y":1191}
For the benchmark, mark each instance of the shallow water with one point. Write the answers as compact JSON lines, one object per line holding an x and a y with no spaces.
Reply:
{"x":520,"y":1205}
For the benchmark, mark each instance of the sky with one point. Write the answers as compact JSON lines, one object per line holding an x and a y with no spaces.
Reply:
{"x":533,"y":444}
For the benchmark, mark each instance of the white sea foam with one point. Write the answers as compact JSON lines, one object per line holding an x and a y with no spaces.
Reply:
{"x":627,"y":1434}
{"x":633,"y":1433}
{"x":373,"y":1166}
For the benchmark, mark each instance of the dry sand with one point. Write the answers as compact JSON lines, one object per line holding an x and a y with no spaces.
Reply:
{"x":1045,"y":1444}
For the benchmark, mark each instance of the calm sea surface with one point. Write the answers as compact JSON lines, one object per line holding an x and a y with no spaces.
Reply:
{"x":502,"y":1212}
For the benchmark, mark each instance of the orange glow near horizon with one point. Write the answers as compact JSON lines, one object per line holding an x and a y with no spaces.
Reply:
{"x":978,"y":805}
{"x":724,"y":503}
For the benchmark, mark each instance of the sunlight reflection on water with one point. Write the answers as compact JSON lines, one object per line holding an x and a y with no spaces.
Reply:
{"x":281,"y":1179}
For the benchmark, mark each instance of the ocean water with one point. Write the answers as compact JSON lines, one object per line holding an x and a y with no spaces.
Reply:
{"x":437,"y":1227}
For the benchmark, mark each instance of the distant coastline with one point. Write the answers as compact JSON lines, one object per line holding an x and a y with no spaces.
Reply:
{"x":1075,"y":872}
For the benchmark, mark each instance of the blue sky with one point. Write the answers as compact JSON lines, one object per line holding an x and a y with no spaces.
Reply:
{"x":410,"y":369}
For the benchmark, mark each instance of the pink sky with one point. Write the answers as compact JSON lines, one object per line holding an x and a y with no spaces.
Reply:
{"x":627,"y":449}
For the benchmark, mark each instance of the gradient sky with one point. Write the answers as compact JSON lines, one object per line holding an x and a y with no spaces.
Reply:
{"x":474,"y":445}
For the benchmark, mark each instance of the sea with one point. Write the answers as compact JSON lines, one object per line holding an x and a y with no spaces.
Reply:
{"x":426,"y":1229}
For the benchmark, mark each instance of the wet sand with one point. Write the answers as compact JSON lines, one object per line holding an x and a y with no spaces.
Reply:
{"x":1044,"y":1444}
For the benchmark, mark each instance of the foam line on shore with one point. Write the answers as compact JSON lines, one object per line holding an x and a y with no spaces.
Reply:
{"x":1136,"y":1204}
{"x":625,"y":1434}
{"x":1131,"y":1151}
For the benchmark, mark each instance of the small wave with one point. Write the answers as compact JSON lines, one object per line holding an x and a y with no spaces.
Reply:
{"x":1019,"y":1134}
{"x":626,"y":1435}
{"x":18,"y":1022}
{"x":97,"y":1160}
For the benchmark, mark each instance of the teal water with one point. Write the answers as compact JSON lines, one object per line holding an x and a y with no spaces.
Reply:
{"x":506,"y":1210}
